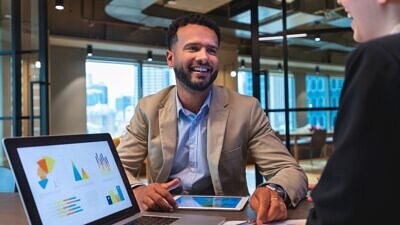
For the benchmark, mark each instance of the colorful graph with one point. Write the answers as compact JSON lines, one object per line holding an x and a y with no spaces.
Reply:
{"x":45,"y":166}
{"x":79,"y":176}
{"x":67,"y":207}
{"x":114,"y":198}
{"x":103,"y":164}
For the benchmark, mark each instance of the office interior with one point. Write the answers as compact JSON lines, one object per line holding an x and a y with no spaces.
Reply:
{"x":80,"y":66}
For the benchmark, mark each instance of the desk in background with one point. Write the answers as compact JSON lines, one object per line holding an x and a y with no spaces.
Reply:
{"x":12,"y":212}
{"x":297,"y":139}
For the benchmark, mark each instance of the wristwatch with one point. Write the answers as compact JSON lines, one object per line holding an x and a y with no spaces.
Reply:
{"x":281,"y":192}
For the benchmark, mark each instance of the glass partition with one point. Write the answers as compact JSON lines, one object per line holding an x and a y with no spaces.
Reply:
{"x":29,"y":25}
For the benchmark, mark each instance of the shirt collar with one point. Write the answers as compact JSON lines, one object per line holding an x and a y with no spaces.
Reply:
{"x":180,"y":108}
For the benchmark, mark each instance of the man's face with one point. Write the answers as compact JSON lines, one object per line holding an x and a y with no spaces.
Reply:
{"x":367,"y":19}
{"x":194,"y":57}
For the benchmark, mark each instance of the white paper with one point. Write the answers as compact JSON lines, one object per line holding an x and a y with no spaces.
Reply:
{"x":290,"y":222}
{"x":235,"y":222}
{"x":286,"y":222}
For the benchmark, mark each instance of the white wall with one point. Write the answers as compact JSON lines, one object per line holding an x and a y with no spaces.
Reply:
{"x":67,"y":90}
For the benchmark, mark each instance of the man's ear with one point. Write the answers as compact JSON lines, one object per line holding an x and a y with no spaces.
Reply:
{"x":170,"y":58}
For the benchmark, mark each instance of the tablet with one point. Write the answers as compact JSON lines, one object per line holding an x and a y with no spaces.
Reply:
{"x":230,"y":203}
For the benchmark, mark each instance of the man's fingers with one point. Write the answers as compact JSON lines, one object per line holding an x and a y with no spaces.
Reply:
{"x":151,"y":204}
{"x":278,"y":211}
{"x":262,"y":212}
{"x":259,"y":204}
{"x":268,"y":206}
{"x":171,"y":184}
{"x":156,"y":196}
{"x":162,"y":203}
{"x":254,"y":203}
{"x":169,"y":199}
{"x":162,"y":197}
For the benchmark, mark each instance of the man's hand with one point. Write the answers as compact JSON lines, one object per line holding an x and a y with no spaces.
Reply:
{"x":156,"y":197}
{"x":268,"y":205}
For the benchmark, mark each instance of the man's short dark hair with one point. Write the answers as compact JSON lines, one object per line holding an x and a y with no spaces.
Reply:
{"x":182,"y":21}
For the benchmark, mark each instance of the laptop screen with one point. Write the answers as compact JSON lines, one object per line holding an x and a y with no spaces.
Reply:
{"x":74,"y":183}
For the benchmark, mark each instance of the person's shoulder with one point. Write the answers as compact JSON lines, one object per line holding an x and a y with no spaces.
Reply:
{"x":389,"y":39}
{"x":389,"y":43}
{"x":233,"y":96}
{"x":159,"y":97}
{"x":385,"y":48}
{"x":229,"y":92}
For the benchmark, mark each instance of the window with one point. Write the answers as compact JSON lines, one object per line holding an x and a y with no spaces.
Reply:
{"x":245,"y":85}
{"x":110,"y":95}
{"x":156,"y":77}
{"x":276,"y":100}
{"x":335,"y":87}
{"x":322,"y":91}
{"x":276,"y":96}
{"x":114,"y":88}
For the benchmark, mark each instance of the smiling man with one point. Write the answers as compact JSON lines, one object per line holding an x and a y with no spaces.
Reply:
{"x":196,"y":136}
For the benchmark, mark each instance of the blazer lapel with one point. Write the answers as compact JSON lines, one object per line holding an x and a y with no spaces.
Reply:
{"x":216,"y":124}
{"x":168,"y":134}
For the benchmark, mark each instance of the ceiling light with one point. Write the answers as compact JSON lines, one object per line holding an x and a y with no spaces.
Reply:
{"x":279,"y":66}
{"x":38,"y":64}
{"x":89,"y":50}
{"x":233,"y":73}
{"x":279,"y":37}
{"x":317,"y":37}
{"x":59,"y":4}
{"x":149,"y":55}
{"x":317,"y":69}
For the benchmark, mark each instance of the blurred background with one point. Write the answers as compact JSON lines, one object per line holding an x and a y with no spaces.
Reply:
{"x":81,"y":66}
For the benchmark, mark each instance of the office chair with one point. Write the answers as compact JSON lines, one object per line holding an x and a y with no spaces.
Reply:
{"x":7,"y":183}
{"x":314,"y":149}
{"x":116,"y":141}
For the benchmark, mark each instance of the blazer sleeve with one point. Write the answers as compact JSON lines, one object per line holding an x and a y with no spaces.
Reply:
{"x":132,"y":149}
{"x":273,"y":159}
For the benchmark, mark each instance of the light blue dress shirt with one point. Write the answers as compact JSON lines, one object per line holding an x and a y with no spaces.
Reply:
{"x":190,"y":162}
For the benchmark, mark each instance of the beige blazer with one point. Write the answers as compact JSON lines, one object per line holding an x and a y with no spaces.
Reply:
{"x":237,"y":128}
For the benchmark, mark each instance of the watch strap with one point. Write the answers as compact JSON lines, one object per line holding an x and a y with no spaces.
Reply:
{"x":281,"y":192}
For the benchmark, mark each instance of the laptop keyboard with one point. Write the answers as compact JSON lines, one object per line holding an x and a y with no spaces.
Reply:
{"x":152,"y":220}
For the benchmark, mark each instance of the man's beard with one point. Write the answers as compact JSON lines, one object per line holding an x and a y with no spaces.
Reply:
{"x":184,"y":77}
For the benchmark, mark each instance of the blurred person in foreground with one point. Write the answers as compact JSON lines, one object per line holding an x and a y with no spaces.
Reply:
{"x":197,"y":136}
{"x":358,"y":184}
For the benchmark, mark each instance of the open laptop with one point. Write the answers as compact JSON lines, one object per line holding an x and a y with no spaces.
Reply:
{"x":79,"y":179}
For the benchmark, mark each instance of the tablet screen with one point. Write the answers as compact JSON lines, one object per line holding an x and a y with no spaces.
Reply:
{"x":211,"y":202}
